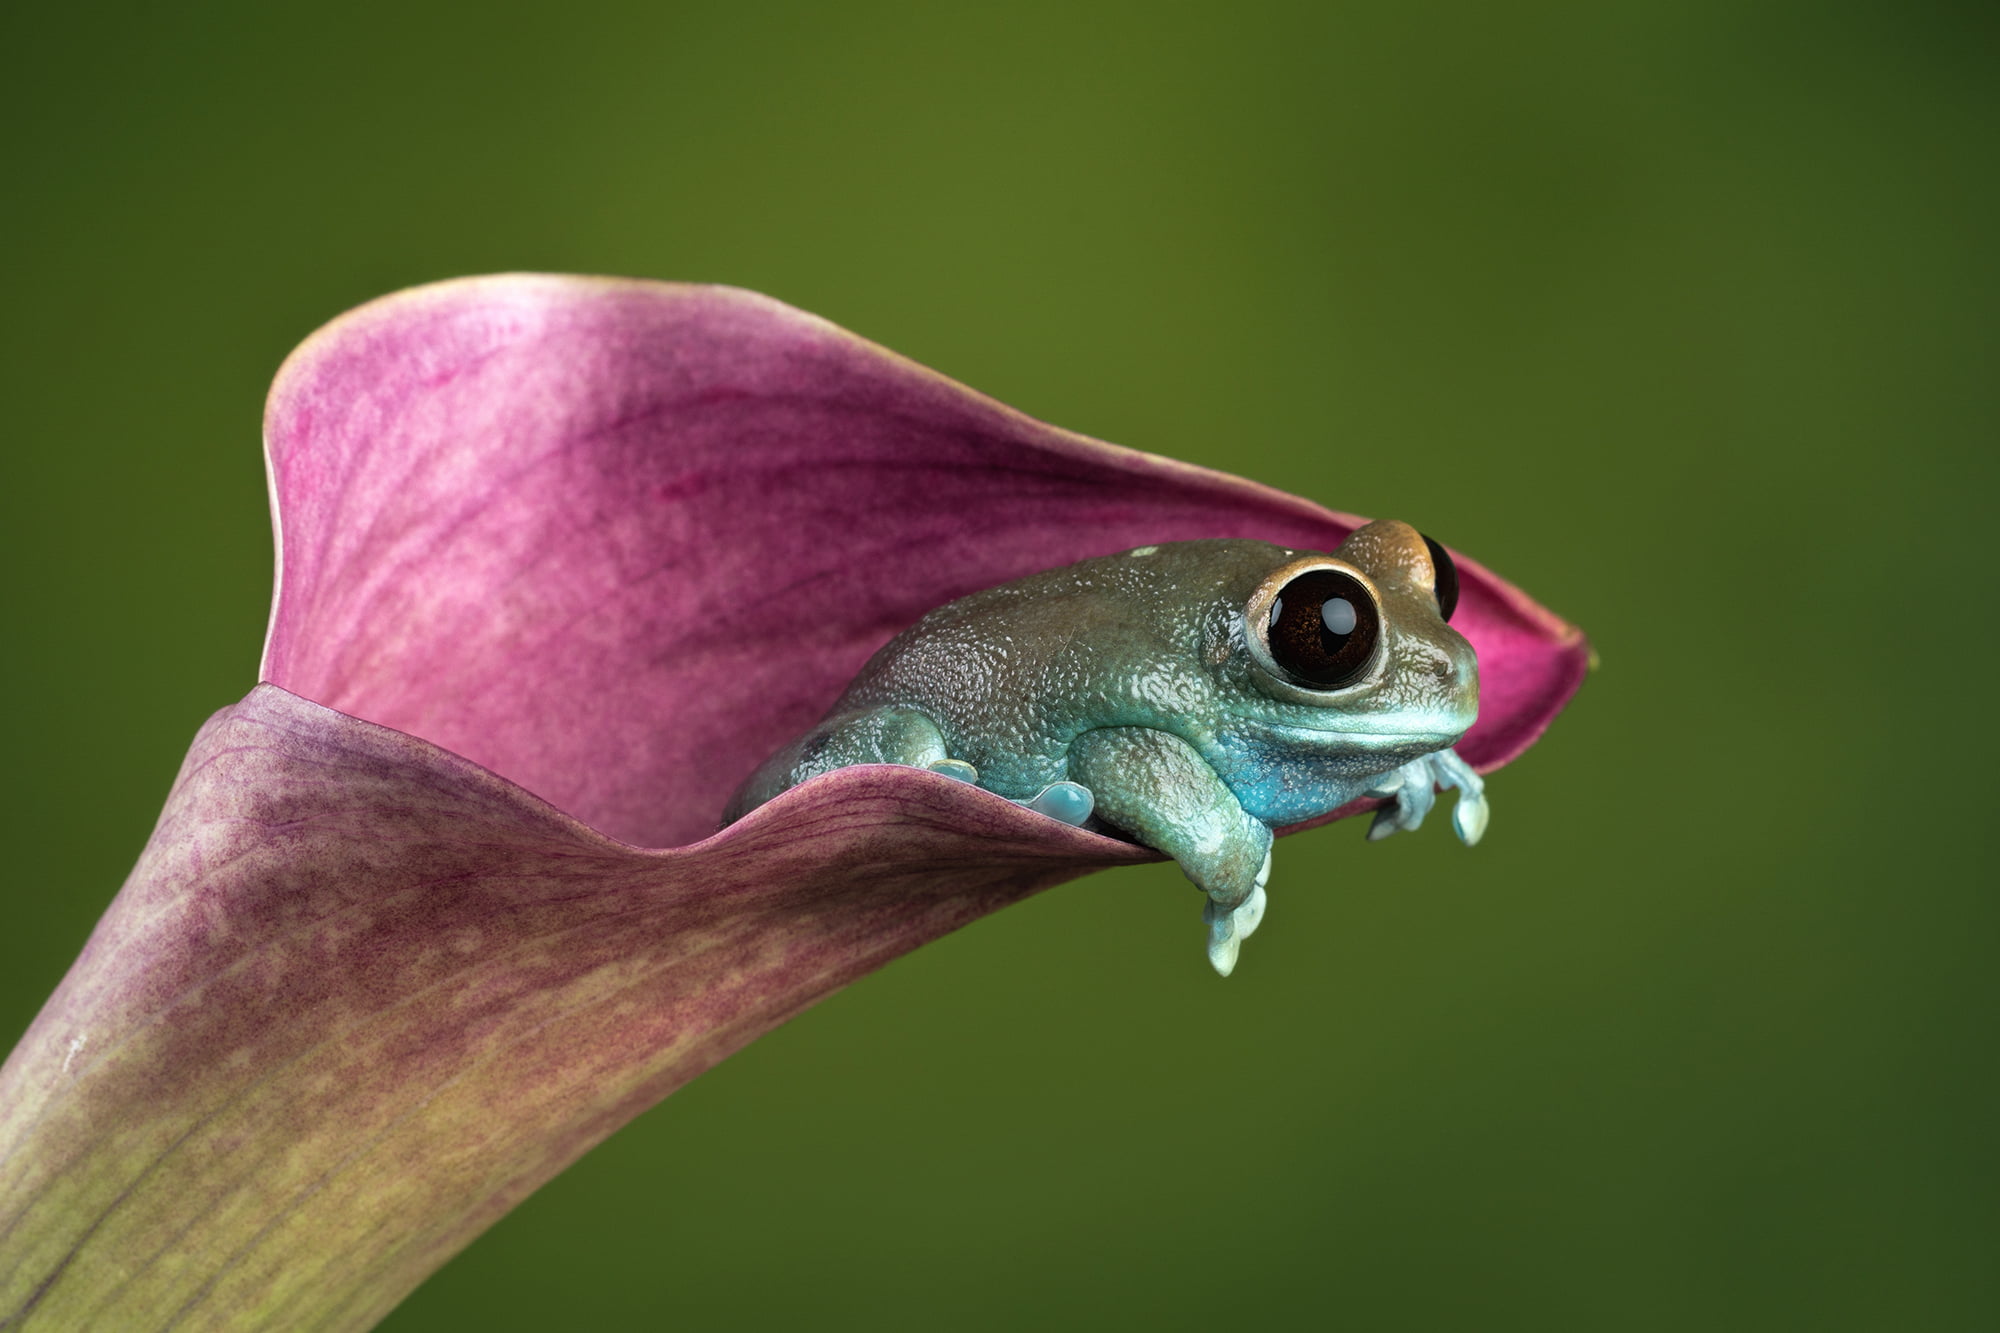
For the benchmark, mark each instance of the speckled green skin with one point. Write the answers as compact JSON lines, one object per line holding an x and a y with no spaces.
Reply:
{"x":1133,"y":675}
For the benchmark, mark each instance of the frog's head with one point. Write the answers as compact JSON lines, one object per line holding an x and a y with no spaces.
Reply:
{"x":1353,"y":646}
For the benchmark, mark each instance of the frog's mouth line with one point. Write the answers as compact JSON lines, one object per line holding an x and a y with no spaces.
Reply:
{"x":1422,"y":741}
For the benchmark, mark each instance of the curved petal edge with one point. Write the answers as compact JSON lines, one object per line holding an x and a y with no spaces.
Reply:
{"x":619,"y":540}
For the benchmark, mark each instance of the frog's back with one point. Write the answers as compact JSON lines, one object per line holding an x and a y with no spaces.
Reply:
{"x":1016,"y":672}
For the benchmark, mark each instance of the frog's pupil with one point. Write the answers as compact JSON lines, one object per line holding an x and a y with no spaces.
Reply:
{"x":1323,"y":629}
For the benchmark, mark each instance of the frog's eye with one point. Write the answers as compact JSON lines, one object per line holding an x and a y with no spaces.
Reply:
{"x":1323,"y":628}
{"x":1445,"y":578}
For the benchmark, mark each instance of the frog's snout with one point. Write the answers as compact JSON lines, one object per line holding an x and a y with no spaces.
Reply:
{"x":1444,"y":669}
{"x":1460,"y":679}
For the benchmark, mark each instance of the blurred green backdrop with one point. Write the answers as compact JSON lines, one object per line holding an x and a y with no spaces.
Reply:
{"x":1679,"y":314}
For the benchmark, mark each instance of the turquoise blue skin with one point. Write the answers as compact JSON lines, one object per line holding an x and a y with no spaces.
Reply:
{"x":1139,"y":693}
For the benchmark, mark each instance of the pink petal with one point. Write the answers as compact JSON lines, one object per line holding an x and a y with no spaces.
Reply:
{"x":619,"y":540}
{"x":613,"y":541}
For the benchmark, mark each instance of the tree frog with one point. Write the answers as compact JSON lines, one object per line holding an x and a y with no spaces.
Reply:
{"x":1191,"y":695}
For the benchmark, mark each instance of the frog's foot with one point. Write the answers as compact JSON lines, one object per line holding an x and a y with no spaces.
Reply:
{"x":955,"y":769}
{"x":1413,"y":789}
{"x":1228,"y":927}
{"x":1071,"y":802}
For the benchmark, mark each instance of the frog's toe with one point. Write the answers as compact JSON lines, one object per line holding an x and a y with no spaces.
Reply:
{"x":1250,"y":914}
{"x":956,"y":769}
{"x":1223,"y":940}
{"x":1228,"y":927}
{"x":1386,"y":814}
{"x":1468,"y":817}
{"x":1411,"y":797}
{"x":1071,"y":802}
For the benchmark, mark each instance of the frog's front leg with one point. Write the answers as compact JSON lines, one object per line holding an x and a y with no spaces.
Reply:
{"x":1157,"y":788}
{"x":1412,"y":789}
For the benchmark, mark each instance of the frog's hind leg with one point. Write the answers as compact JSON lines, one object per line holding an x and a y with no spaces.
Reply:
{"x":896,"y":734}
{"x":891,"y":734}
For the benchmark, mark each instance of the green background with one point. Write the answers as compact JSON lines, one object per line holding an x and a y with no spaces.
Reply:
{"x":1681,"y":315}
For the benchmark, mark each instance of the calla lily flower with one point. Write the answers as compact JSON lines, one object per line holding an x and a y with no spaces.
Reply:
{"x":440,"y":904}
